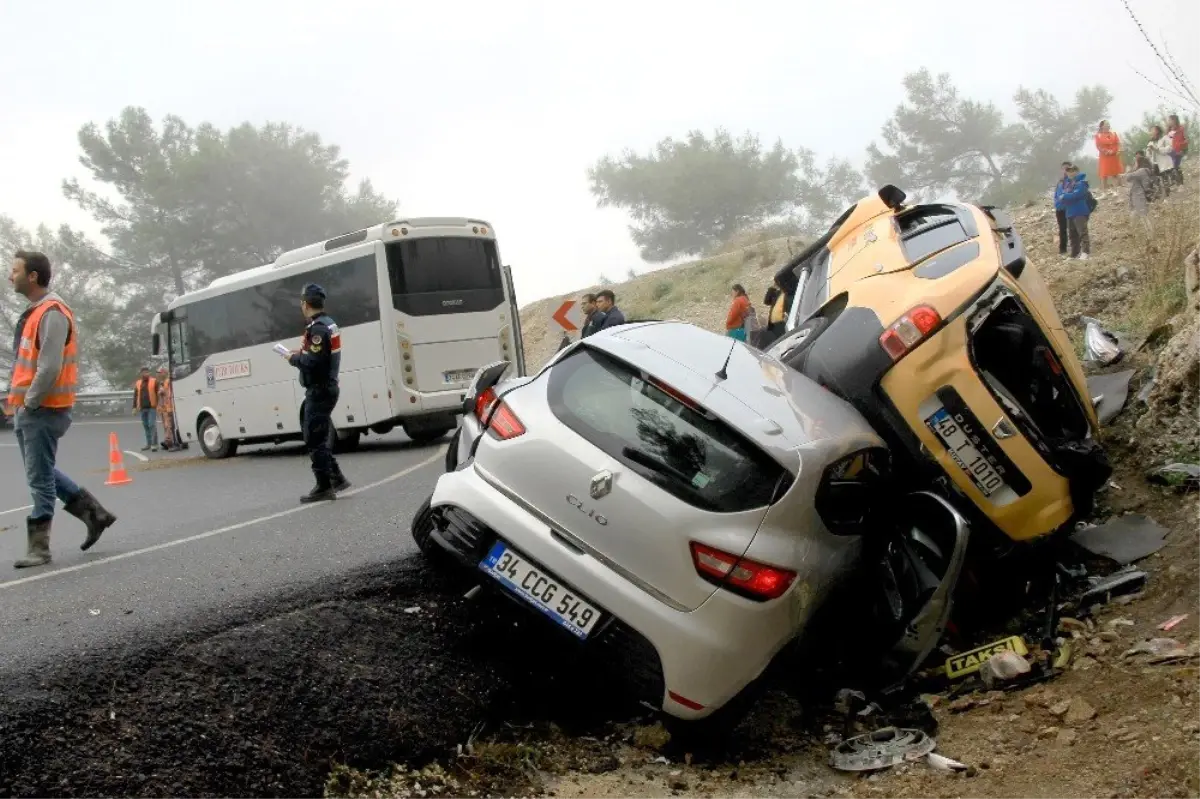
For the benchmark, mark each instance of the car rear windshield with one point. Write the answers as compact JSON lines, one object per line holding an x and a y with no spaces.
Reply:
{"x":929,"y":229}
{"x":443,"y":265}
{"x":662,"y":436}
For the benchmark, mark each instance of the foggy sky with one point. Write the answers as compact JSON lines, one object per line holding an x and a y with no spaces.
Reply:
{"x":496,"y":109}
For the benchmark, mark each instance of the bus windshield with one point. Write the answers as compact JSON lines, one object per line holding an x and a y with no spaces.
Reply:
{"x":443,"y":264}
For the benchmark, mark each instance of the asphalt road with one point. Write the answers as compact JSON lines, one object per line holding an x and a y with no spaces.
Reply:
{"x":194,"y":537}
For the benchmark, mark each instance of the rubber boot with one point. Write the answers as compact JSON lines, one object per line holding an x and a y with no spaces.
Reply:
{"x":321,"y":492}
{"x":38,"y":533}
{"x":87,"y":509}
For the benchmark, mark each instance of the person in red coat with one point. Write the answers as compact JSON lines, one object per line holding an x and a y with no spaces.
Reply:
{"x":1108,"y":145}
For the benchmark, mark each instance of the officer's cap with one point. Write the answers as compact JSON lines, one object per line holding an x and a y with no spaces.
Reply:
{"x":312,"y":292}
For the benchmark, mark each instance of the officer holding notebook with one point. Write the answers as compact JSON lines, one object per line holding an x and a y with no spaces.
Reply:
{"x":318,"y":360}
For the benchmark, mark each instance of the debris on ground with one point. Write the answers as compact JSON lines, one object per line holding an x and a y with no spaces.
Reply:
{"x":1110,"y":393}
{"x":1003,"y":667}
{"x":881,"y":749}
{"x":1172,"y":622}
{"x":943,"y":763}
{"x":1101,"y":345}
{"x":1103,"y":590}
{"x":969,"y":662}
{"x":1124,"y":539}
{"x":1180,"y":476}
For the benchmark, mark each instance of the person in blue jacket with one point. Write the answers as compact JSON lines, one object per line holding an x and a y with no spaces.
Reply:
{"x":1077,"y":202}
{"x":1060,"y":212}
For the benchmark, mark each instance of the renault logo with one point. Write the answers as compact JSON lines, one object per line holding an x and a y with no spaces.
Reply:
{"x":601,"y":484}
{"x":1003,"y":429}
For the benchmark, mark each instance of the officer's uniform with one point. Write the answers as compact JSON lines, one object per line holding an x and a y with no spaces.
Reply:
{"x":318,"y":361}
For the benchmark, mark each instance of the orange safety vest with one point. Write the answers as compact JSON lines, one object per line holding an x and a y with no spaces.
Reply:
{"x":152,"y":391}
{"x":62,"y":393}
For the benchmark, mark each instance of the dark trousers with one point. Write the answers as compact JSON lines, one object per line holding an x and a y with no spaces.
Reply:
{"x":318,"y":419}
{"x":1077,"y":228}
{"x":1061,"y":215}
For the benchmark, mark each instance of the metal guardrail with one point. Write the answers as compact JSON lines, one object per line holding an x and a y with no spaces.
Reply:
{"x":104,"y":396}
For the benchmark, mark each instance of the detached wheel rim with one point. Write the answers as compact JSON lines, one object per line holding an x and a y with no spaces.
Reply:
{"x":212,"y":437}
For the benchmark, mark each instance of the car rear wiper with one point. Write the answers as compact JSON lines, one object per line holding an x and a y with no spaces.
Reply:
{"x":656,"y":464}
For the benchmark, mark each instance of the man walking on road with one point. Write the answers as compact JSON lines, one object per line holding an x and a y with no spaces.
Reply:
{"x":318,"y":359}
{"x":41,"y":394}
{"x":145,"y":404}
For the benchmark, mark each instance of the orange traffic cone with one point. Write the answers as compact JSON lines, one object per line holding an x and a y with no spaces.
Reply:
{"x":116,"y":464}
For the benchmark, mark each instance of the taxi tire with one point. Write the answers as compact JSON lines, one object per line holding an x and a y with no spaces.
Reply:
{"x":422,"y":531}
{"x":452,"y":451}
{"x":795,"y":355}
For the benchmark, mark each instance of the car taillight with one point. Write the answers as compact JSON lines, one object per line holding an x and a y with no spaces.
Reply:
{"x":504,"y":424}
{"x":746,"y":577}
{"x":909,"y":330}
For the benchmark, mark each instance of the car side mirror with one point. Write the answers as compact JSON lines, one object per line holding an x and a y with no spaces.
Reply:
{"x":155,"y":344}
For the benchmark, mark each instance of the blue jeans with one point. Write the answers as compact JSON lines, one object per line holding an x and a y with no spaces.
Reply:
{"x":37,"y":433}
{"x":150,"y":425}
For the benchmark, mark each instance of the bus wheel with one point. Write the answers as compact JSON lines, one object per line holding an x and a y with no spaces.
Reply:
{"x":214,"y":444}
{"x":426,"y":435}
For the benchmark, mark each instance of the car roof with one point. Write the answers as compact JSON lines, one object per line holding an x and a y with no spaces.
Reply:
{"x":761,"y":396}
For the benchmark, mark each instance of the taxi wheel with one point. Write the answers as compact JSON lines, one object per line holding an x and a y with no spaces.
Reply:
{"x":794,"y":347}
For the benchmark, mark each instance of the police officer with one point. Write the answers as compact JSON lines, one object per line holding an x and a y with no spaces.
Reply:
{"x":318,"y":359}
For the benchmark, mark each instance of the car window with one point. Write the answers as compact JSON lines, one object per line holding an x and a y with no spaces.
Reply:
{"x":928,"y":230}
{"x":661,"y":435}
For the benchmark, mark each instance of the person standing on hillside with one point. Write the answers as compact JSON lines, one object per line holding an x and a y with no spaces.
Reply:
{"x":1060,"y":211}
{"x":41,"y":394}
{"x":1179,"y":146}
{"x":739,"y":309}
{"x":593,"y":318}
{"x":145,"y":404}
{"x":1077,"y":202}
{"x":1108,"y":146}
{"x":606,"y":303}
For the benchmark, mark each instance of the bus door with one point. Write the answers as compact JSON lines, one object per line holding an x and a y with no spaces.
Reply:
{"x":514,"y":313}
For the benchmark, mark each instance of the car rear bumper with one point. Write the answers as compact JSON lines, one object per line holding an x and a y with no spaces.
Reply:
{"x":705,"y":656}
{"x":939,"y":373}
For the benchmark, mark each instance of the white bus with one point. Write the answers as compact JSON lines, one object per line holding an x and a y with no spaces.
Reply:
{"x":420,"y":303}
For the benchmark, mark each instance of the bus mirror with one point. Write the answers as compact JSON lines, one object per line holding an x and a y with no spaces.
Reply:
{"x":154,"y":344}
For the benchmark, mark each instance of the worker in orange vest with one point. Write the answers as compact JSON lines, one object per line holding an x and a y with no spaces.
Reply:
{"x":41,"y":395}
{"x":145,"y":403}
{"x":166,"y":409}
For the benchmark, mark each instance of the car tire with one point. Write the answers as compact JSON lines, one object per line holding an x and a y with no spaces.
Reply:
{"x":793,"y":348}
{"x":422,"y":533}
{"x":212,"y":443}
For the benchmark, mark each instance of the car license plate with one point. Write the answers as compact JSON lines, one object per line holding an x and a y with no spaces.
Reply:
{"x":458,"y":375}
{"x":541,"y":590}
{"x":964,"y":453}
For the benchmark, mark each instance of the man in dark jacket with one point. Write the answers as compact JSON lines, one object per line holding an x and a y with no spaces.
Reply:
{"x":1060,"y":212}
{"x":606,"y":302}
{"x":593,"y":318}
{"x":1077,"y":204}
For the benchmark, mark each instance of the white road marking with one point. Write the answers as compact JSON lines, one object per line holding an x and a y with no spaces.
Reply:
{"x":137,"y":455}
{"x":14,"y":510}
{"x":229,"y":529}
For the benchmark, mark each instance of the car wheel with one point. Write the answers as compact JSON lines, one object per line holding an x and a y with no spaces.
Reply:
{"x":793,"y":348}
{"x":213,"y":444}
{"x":422,"y":533}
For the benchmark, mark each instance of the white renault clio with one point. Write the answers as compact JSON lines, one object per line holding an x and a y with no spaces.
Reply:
{"x":682,"y":503}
